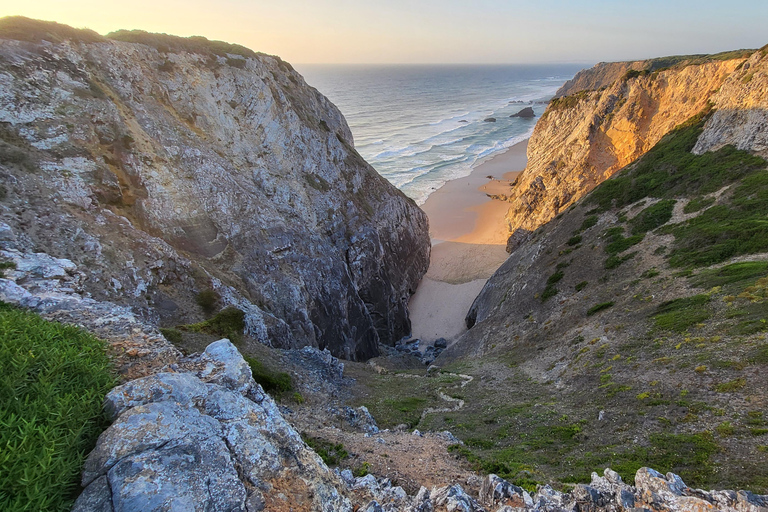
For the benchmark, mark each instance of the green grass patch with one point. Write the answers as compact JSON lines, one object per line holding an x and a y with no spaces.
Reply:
{"x":53,"y":384}
{"x":731,"y":386}
{"x":652,"y":217}
{"x":410,"y":408}
{"x":580,"y":286}
{"x":229,"y":322}
{"x":172,"y":335}
{"x":733,"y":276}
{"x":698,"y":203}
{"x":599,"y":307}
{"x":680,"y":314}
{"x":273,"y":382}
{"x":208,"y":299}
{"x":588,"y":223}
{"x":331,"y":453}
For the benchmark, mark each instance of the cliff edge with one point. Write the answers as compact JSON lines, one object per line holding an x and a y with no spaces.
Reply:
{"x":166,"y":167}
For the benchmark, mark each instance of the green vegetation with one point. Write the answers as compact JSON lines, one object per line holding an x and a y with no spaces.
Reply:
{"x":652,"y":217}
{"x":574,"y":240}
{"x":172,"y":335}
{"x":550,"y":290}
{"x":731,"y":386}
{"x":588,"y":223}
{"x":730,"y":277}
{"x":599,"y":307}
{"x":331,"y":453}
{"x":680,"y":314}
{"x":566,"y":102}
{"x":317,"y":182}
{"x":272,"y":382}
{"x":669,"y":171}
{"x":35,"y":31}
{"x":580,"y":286}
{"x":698,"y":203}
{"x":208,"y":299}
{"x":52,"y":387}
{"x":229,"y":322}
{"x":6,"y":265}
{"x":410,"y":408}
{"x":174,"y":44}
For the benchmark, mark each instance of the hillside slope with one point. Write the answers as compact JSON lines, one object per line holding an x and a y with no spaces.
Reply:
{"x":602,"y":120}
{"x":631,"y":329}
{"x":165,"y":167}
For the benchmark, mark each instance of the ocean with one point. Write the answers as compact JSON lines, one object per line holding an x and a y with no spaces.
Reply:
{"x":420,"y":126}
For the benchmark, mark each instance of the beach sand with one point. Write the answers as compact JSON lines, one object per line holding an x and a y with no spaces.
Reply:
{"x":469,"y":240}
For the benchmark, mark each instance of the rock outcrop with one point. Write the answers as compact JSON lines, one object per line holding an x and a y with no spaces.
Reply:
{"x":168,"y":166}
{"x":741,"y":110}
{"x":608,"y":116}
{"x":526,"y":113}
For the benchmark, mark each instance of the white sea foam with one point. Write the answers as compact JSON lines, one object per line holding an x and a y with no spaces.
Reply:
{"x":407,"y":121}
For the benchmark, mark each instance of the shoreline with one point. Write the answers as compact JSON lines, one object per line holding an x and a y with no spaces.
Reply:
{"x":469,"y":240}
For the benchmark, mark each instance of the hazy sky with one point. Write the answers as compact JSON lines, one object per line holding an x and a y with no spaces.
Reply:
{"x":433,"y":31}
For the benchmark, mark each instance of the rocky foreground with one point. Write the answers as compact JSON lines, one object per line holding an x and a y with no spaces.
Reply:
{"x":203,"y":435}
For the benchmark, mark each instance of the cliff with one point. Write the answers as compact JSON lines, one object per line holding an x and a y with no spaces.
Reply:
{"x":163,"y":167}
{"x":612,"y":114}
{"x":632,"y":326}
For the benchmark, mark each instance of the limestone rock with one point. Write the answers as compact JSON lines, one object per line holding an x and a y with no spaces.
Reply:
{"x":741,"y":110}
{"x":168,"y":169}
{"x":196,"y":441}
{"x":582,"y":140}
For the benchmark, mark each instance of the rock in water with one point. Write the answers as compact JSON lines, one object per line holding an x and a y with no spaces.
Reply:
{"x":166,"y":166}
{"x":490,"y":119}
{"x":527,"y":113}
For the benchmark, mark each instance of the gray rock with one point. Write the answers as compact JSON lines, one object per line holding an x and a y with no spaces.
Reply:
{"x":453,"y":498}
{"x":498,"y":492}
{"x":181,"y":443}
{"x":490,"y":120}
{"x":245,"y":171}
{"x":526,"y":113}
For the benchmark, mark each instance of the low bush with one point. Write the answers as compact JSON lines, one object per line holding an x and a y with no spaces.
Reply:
{"x":599,"y":307}
{"x":52,"y":387}
{"x":272,"y":382}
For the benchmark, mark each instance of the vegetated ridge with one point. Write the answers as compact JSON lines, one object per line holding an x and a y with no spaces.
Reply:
{"x":605,"y":118}
{"x":631,"y":329}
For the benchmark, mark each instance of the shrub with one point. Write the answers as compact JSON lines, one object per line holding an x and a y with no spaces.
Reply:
{"x":331,"y":453}
{"x":679,"y":314}
{"x":53,"y":383}
{"x":6,"y":265}
{"x":272,"y":382}
{"x":208,"y":299}
{"x":580,"y":286}
{"x":172,"y":335}
{"x":599,"y":307}
{"x":229,"y":322}
{"x":731,"y":386}
{"x":652,"y":217}
{"x":574,"y":240}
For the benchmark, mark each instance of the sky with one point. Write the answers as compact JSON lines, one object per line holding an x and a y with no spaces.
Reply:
{"x":432,"y":31}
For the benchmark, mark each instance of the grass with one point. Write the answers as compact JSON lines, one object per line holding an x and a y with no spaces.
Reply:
{"x":229,"y":322}
{"x":331,"y":453}
{"x":273,"y":382}
{"x":731,"y":386}
{"x":172,"y":335}
{"x":410,"y":408}
{"x":54,"y":380}
{"x":599,"y":307}
{"x":208,"y":299}
{"x":680,"y":314}
{"x":733,"y":276}
{"x":652,"y":217}
{"x":550,"y":290}
{"x":175,"y":44}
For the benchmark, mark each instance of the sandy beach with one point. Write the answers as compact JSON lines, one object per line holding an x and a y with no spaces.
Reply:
{"x":468,"y":244}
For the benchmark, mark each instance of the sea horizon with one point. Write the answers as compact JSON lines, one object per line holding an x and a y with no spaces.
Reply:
{"x":420,"y":126}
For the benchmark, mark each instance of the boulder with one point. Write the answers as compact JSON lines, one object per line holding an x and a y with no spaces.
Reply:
{"x":526,"y":113}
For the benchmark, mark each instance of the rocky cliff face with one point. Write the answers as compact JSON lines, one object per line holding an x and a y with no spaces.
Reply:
{"x":610,"y":118}
{"x":166,"y":166}
{"x":741,"y":110}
